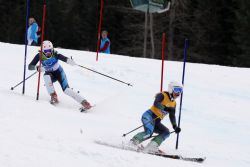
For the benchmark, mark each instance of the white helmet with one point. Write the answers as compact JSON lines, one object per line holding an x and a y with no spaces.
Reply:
{"x":175,"y":87}
{"x":47,"y":45}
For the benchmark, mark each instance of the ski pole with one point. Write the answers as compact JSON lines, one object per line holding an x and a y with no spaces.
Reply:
{"x":105,"y":75}
{"x":125,"y":134}
{"x":12,"y":88}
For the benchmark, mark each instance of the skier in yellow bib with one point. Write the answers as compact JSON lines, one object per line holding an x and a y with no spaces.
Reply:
{"x":164,"y":104}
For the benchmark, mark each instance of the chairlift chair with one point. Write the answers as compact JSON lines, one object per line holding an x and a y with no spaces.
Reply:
{"x":153,"y":6}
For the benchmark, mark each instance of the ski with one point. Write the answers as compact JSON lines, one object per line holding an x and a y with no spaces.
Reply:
{"x":199,"y":160}
{"x":139,"y":150}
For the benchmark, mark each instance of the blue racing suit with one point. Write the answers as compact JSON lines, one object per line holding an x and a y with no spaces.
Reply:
{"x":52,"y":68}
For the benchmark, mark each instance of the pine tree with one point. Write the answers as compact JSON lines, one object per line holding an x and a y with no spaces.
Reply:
{"x":242,"y":26}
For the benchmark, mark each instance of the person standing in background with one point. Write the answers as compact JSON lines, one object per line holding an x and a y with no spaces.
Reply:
{"x":105,"y":43}
{"x":32,"y":35}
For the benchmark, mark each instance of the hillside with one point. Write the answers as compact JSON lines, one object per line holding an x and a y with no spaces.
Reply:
{"x":36,"y":134}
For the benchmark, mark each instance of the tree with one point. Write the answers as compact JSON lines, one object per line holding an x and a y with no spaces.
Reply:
{"x":241,"y":34}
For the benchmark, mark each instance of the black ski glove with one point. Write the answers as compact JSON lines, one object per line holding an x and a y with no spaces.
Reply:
{"x":176,"y":129}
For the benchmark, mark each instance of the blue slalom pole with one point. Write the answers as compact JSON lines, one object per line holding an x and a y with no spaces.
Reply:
{"x":25,"y":54}
{"x":183,"y":76}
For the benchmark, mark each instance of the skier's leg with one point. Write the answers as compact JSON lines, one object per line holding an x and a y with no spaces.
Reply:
{"x":68,"y":91}
{"x":163,"y":132}
{"x":148,"y":123}
{"x":50,"y":87}
{"x":61,"y":76}
{"x":153,"y":145}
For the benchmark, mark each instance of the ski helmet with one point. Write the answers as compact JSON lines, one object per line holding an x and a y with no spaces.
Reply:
{"x":175,"y":87}
{"x":47,"y":48}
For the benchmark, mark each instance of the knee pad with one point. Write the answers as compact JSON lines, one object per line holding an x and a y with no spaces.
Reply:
{"x":49,"y":84}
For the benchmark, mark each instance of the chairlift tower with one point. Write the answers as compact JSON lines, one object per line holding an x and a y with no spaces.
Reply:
{"x":150,"y":6}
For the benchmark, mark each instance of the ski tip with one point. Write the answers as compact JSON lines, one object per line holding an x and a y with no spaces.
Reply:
{"x":199,"y":160}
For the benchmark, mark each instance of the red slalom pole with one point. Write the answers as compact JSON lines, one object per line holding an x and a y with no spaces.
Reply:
{"x":163,"y":58}
{"x":99,"y":30}
{"x":42,"y":38}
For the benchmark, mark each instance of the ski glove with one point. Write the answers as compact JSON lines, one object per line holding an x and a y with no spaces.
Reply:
{"x":42,"y":69}
{"x":71,"y":61}
{"x":176,"y":129}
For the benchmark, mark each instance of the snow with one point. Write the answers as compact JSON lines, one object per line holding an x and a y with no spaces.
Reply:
{"x":33,"y":133}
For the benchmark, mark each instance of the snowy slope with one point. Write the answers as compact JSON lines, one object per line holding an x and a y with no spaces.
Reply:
{"x":215,"y":118}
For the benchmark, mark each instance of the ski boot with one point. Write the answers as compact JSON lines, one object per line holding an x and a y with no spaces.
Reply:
{"x":54,"y":99}
{"x":152,"y":148}
{"x":134,"y":145}
{"x":85,"y":106}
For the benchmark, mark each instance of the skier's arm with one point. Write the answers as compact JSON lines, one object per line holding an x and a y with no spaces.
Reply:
{"x":105,"y":47}
{"x":158,"y":99}
{"x":62,"y":57}
{"x":66,"y":59}
{"x":32,"y":65}
{"x":172,"y":118}
{"x":173,"y":122}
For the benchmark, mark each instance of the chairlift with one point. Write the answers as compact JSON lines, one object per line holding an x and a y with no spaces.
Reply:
{"x":153,"y":6}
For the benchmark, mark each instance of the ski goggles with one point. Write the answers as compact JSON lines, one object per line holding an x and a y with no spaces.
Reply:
{"x":48,"y":52}
{"x":177,"y":90}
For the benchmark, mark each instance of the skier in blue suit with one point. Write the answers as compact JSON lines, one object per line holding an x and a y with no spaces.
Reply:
{"x":54,"y":72}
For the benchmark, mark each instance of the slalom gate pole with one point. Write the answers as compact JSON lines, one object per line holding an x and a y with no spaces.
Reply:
{"x":105,"y":75}
{"x":99,"y":30}
{"x":183,"y":76}
{"x":125,"y":134}
{"x":12,"y":88}
{"x":163,"y":58}
{"x":25,"y":41}
{"x":42,"y":38}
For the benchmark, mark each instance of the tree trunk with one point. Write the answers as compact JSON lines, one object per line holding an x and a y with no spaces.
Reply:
{"x":145,"y":35}
{"x":151,"y":22}
{"x":171,"y":31}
